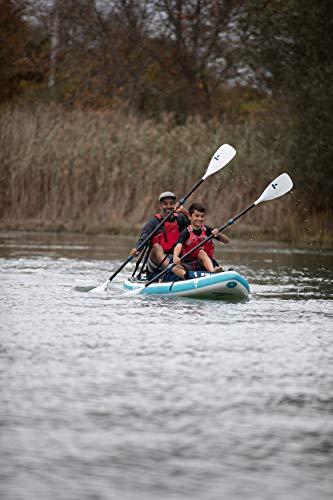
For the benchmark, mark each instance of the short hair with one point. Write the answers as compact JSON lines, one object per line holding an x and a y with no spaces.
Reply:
{"x":198,"y":207}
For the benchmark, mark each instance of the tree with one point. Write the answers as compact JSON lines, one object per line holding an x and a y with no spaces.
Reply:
{"x":12,"y":35}
{"x":153,"y":55}
{"x":198,"y":36}
{"x":289,"y":45}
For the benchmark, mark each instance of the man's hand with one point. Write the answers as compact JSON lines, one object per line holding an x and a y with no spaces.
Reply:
{"x":181,"y":209}
{"x":134,"y":252}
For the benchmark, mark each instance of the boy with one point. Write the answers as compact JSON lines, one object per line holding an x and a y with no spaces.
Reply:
{"x":200,"y":259}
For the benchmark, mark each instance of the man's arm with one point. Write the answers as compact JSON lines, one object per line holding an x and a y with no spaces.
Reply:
{"x":145,"y":232}
{"x":183,"y":220}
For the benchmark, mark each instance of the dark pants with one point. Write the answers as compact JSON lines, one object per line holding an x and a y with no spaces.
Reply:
{"x":194,"y":265}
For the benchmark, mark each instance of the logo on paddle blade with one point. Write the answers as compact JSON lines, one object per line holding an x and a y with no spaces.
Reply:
{"x":217,"y":157}
{"x":274,"y":185}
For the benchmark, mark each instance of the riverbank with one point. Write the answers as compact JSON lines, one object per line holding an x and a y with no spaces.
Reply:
{"x":307,"y":235}
{"x":101,"y":172}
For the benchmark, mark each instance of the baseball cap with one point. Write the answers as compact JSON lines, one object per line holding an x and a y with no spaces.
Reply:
{"x":167,"y":194}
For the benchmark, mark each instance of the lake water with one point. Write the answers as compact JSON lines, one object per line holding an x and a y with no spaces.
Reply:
{"x":117,"y":397}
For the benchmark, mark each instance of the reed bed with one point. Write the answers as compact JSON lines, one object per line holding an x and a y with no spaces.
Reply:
{"x":100,"y":171}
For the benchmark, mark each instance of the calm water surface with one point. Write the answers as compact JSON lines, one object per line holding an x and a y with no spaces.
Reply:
{"x":116,"y":397}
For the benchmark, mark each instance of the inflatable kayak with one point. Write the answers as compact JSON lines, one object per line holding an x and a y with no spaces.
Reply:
{"x":222,"y":286}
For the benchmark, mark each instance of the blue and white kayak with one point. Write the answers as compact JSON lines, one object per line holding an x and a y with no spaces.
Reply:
{"x":222,"y":286}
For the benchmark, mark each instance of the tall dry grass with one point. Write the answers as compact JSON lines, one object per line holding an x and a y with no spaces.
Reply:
{"x":102,"y":171}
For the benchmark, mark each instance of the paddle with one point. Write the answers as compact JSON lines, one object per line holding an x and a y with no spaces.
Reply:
{"x":280,"y":186}
{"x":221,"y":157}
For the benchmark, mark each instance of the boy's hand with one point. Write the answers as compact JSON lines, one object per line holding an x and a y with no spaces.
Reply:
{"x":176,"y":260}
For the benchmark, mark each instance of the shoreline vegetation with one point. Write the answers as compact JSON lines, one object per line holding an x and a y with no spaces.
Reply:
{"x":101,"y":172}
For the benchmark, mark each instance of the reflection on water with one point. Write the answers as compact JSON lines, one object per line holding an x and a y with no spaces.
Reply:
{"x":146,"y":397}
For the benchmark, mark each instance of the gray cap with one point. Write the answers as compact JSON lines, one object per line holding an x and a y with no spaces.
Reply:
{"x":167,"y":194}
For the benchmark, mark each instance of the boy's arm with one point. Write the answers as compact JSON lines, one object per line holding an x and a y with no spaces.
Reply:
{"x":183,"y":237}
{"x":220,"y":237}
{"x":176,"y":252}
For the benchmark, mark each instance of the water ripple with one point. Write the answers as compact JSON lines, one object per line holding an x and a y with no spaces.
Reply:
{"x":106,"y":396}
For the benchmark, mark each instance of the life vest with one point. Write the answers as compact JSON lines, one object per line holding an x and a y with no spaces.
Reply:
{"x":169,"y":235}
{"x":193,"y":240}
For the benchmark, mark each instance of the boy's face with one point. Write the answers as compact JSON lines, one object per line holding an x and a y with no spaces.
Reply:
{"x":197,"y":219}
{"x":166,"y":206}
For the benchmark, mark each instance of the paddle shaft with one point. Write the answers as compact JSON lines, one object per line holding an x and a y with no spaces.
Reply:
{"x":220,"y":229}
{"x":159,"y":225}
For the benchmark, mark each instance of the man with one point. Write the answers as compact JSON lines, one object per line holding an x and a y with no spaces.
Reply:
{"x":200,"y":259}
{"x":162,"y":242}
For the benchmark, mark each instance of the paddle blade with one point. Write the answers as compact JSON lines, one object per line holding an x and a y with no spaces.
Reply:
{"x":101,"y":288}
{"x":223,"y":155}
{"x":280,"y":186}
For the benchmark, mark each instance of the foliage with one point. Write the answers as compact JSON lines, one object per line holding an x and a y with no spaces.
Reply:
{"x":260,"y":66}
{"x":154,"y":56}
{"x":100,"y":170}
{"x":12,"y":37}
{"x":291,"y":42}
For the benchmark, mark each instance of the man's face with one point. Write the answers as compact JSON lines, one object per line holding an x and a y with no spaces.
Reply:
{"x":197,"y":219}
{"x":166,"y":206}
